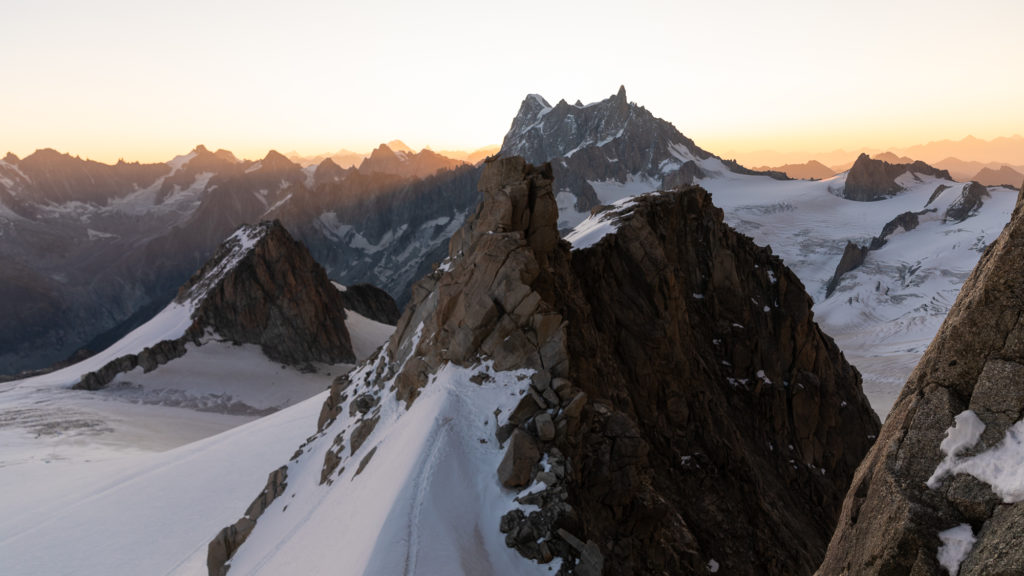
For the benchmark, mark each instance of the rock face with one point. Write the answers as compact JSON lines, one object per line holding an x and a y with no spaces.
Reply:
{"x":971,"y":198}
{"x":372,"y":302}
{"x":231,"y":537}
{"x":262,"y":287}
{"x":964,"y":398}
{"x":853,"y":256}
{"x":722,"y":424}
{"x":610,"y":140}
{"x":274,"y":295}
{"x":871,"y":180}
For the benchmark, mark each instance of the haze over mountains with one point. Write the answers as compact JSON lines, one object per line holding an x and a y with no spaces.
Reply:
{"x":90,"y":248}
{"x":991,"y":162}
{"x":349,"y":159}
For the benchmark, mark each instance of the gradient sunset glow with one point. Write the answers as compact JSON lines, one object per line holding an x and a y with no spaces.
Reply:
{"x":144,"y":81}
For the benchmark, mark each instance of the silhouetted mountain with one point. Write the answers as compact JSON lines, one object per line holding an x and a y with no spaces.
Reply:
{"x":385,"y":160}
{"x":812,"y":170}
{"x":1004,"y":176}
{"x":871,"y":179}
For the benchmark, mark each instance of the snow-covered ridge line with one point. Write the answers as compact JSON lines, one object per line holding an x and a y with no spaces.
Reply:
{"x":232,"y":251}
{"x":596,"y":227}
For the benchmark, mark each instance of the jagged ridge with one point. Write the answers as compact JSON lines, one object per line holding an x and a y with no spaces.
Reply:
{"x":650,"y":419}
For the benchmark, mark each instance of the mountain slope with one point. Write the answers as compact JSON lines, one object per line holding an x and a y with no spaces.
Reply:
{"x":811,"y":170}
{"x":260,"y":288}
{"x":133,"y":478}
{"x":1004,"y":176}
{"x":515,"y":398}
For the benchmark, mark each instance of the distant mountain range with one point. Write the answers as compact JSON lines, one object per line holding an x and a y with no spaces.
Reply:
{"x":349,"y":159}
{"x":987,"y":173}
{"x":989,"y":153}
{"x":91,"y":250}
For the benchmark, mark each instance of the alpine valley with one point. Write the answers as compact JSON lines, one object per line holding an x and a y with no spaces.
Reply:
{"x":601,"y":350}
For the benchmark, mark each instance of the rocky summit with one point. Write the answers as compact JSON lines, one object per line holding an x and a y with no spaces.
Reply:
{"x":871,"y":179}
{"x":940,"y":492}
{"x":261,"y":287}
{"x":674,"y":407}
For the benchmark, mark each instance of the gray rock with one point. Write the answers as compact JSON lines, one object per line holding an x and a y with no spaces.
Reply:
{"x":545,"y":427}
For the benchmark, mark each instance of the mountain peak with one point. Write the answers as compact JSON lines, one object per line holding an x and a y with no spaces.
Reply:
{"x":263,"y":287}
{"x":11,"y":158}
{"x":276,"y":161}
{"x":872,"y":179}
{"x":609,"y":140}
{"x":399,"y":146}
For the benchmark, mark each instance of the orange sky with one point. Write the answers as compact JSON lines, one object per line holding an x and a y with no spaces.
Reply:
{"x":113,"y":78}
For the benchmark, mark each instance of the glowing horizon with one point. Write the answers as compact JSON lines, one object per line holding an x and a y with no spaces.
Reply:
{"x":114,"y":79}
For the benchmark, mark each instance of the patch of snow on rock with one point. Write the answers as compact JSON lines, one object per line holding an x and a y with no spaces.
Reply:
{"x":956,"y":544}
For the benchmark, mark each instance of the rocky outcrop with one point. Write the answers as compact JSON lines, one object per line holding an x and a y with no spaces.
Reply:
{"x":906,"y":221}
{"x":870,"y":180}
{"x":722,"y":426}
{"x":971,"y":198}
{"x":262,"y":287}
{"x":221,"y":548}
{"x":274,"y":295}
{"x":371,"y":302}
{"x":853,"y":256}
{"x":497,"y":300}
{"x":933,"y":497}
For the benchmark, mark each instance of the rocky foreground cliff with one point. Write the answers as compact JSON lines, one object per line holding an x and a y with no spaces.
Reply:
{"x":657,"y":401}
{"x":941,"y":490}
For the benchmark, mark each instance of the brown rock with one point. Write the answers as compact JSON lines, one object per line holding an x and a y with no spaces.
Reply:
{"x":684,"y":449}
{"x":522,"y":454}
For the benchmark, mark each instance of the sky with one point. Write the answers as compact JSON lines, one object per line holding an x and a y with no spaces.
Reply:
{"x":110,"y":79}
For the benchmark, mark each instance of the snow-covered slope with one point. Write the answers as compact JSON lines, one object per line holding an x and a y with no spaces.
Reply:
{"x":884,"y":313}
{"x":418,"y":496}
{"x":136,"y":478}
